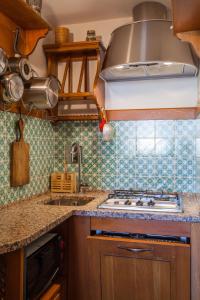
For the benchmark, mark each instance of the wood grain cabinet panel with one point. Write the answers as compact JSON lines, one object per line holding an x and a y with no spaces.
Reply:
{"x":122,"y":269}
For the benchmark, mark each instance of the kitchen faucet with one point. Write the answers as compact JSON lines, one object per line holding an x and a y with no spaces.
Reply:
{"x":76,"y":158}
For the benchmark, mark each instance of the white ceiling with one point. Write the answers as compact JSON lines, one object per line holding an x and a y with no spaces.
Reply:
{"x":60,"y":12}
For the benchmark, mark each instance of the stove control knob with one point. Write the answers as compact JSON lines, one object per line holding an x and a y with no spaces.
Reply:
{"x":116,"y":202}
{"x":128,"y":202}
{"x":139,"y":203}
{"x":151,"y":203}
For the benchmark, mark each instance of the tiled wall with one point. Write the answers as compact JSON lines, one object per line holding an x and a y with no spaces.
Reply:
{"x":143,"y":155}
{"x":40,"y":135}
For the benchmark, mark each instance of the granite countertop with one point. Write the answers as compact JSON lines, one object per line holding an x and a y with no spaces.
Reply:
{"x":24,"y":221}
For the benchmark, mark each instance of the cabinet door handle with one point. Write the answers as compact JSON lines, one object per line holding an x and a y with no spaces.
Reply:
{"x":135,"y":250}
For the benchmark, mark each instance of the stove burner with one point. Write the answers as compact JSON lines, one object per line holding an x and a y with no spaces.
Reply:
{"x":128,"y":202}
{"x":151,"y":203}
{"x":139,"y":203}
{"x":143,"y":201}
{"x":116,"y":202}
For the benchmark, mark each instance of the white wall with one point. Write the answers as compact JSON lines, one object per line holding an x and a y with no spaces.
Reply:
{"x":103,"y":28}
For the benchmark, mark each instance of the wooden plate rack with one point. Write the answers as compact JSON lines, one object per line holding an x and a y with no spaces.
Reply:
{"x":82,"y":52}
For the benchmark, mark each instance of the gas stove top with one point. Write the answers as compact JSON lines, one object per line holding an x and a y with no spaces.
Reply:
{"x":143,"y":201}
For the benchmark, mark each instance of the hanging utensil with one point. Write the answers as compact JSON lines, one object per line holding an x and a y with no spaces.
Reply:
{"x":108,"y":132}
{"x":3,"y":62}
{"x":19,"y":173}
{"x":22,"y":66}
{"x":12,"y":88}
{"x":42,"y":93}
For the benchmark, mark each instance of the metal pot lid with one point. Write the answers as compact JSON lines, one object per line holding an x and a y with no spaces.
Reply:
{"x":52,"y":90}
{"x":21,"y":65}
{"x":26,"y":69}
{"x":13,"y":87}
{"x":3,"y":62}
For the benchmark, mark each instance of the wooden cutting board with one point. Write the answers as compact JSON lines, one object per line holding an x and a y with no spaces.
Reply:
{"x":19,"y":159}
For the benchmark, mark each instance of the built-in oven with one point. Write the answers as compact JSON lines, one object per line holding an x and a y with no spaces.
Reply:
{"x":43,"y":262}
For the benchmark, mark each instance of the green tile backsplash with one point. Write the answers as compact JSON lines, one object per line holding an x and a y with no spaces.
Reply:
{"x":143,"y":155}
{"x":40,"y":135}
{"x":158,"y":155}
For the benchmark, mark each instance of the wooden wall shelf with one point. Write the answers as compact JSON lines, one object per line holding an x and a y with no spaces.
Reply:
{"x":18,"y":14}
{"x":187,"y":25}
{"x":84,"y":52}
{"x":81,"y":95}
{"x":77,"y":48}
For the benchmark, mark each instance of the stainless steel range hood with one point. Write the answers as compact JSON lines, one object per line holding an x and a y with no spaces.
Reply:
{"x":147,"y":48}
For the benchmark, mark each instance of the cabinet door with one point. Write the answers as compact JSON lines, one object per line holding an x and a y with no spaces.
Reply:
{"x":122,"y":269}
{"x":79,"y":229}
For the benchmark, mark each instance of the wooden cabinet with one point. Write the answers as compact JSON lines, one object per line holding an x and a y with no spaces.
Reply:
{"x":186,"y":21}
{"x":123,"y":269}
{"x":98,"y":267}
{"x":18,"y":14}
{"x":79,"y":230}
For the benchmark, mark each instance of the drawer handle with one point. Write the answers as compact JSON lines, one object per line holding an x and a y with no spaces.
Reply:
{"x":135,"y":250}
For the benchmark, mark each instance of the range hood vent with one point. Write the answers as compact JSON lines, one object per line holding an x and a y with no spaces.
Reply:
{"x":147,"y":48}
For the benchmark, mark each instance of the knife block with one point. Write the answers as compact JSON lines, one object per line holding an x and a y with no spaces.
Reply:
{"x":63,"y":183}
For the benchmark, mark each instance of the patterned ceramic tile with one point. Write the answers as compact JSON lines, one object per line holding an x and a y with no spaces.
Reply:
{"x":197,"y":123}
{"x":143,"y":154}
{"x":165,"y":184}
{"x":92,"y":166}
{"x":197,"y":167}
{"x":145,"y":147}
{"x":145,"y":167}
{"x":165,"y":129}
{"x":40,"y":135}
{"x":2,"y":123}
{"x":108,"y":182}
{"x":144,"y":183}
{"x":185,"y":128}
{"x":164,"y":147}
{"x":4,"y":174}
{"x":92,"y":180}
{"x":185,"y":168}
{"x":125,"y":130}
{"x":126,"y":167}
{"x":145,"y":129}
{"x":92,"y":147}
{"x":165,"y":167}
{"x":108,"y":148}
{"x":198,"y":147}
{"x":3,"y":149}
{"x":108,"y":166}
{"x":125,"y":182}
{"x":126,"y":147}
{"x":185,"y":147}
{"x":186,"y":185}
{"x":197,"y":185}
{"x":89,"y":129}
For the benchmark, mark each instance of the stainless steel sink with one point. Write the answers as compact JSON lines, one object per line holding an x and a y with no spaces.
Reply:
{"x":70,"y":201}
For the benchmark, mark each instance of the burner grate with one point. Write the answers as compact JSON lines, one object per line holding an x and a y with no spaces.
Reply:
{"x":143,"y":200}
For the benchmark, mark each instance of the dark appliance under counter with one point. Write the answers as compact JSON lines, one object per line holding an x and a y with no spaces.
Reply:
{"x":43,"y":263}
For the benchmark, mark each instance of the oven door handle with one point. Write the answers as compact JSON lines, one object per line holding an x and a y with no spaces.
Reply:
{"x":49,"y":281}
{"x":135,"y":250}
